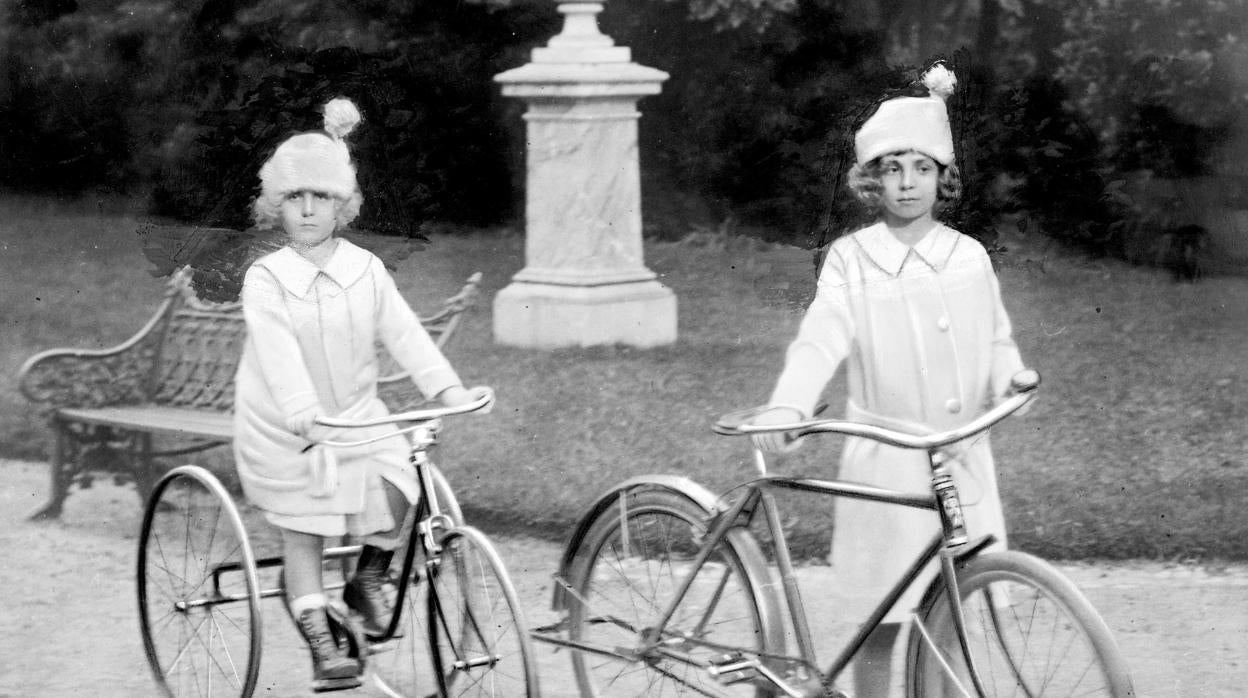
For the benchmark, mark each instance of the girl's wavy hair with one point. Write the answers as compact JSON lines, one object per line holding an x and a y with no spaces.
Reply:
{"x":866,"y":182}
{"x":267,"y":210}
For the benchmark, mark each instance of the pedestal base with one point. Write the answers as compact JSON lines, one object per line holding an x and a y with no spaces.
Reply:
{"x":640,"y":314}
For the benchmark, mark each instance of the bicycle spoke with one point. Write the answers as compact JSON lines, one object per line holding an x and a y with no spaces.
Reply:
{"x":478,"y":642}
{"x":196,"y":641}
{"x":631,"y":563}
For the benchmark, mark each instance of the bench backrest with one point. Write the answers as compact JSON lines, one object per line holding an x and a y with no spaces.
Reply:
{"x":201,"y":344}
{"x":199,"y":351}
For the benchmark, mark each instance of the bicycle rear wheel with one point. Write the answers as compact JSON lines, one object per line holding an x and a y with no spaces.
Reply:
{"x":626,"y":571}
{"x":400,"y":663}
{"x":198,"y":592}
{"x":1031,"y":633}
{"x":479,"y":641}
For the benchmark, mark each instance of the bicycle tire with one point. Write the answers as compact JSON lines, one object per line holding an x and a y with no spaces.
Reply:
{"x":198,"y":589}
{"x":479,"y":642}
{"x":1031,"y":633}
{"x":400,"y":662}
{"x":625,"y":570}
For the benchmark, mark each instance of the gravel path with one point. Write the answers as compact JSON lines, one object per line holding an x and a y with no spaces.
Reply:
{"x":70,"y":627}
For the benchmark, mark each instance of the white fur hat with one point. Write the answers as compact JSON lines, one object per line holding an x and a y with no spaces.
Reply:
{"x":318,"y":160}
{"x":911,"y":123}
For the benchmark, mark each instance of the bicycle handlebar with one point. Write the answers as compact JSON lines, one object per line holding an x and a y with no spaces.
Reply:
{"x":1023,"y":385}
{"x":485,"y":396}
{"x":422,"y":417}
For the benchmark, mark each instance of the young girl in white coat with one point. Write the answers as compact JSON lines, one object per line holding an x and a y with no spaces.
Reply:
{"x":314,"y":312}
{"x":913,"y":308}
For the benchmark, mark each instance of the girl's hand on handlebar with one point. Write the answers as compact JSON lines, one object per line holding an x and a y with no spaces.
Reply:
{"x":1024,"y":381}
{"x":304,"y":425}
{"x":457,"y":395}
{"x":776,"y":441}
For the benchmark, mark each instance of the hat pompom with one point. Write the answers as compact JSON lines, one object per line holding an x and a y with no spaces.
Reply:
{"x":341,"y":117}
{"x":940,"y":81}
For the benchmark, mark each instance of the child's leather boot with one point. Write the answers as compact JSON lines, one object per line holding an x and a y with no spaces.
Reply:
{"x":368,"y":592}
{"x":332,"y":668}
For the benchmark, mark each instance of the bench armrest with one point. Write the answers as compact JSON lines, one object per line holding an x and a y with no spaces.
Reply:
{"x":95,"y":377}
{"x":441,"y":325}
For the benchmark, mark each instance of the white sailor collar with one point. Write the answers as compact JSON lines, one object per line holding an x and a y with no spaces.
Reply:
{"x":345,"y":266}
{"x":889,"y":254}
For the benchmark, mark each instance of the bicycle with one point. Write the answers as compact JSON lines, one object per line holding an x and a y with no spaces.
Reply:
{"x":663,"y":589}
{"x":199,"y":587}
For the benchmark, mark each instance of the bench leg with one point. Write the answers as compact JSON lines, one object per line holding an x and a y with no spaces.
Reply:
{"x":145,"y":471}
{"x":60,"y":478}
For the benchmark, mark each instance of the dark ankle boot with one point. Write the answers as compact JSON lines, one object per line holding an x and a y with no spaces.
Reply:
{"x":332,"y":669}
{"x":369,"y":591}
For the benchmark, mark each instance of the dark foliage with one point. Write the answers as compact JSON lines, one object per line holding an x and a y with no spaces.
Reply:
{"x":30,"y":13}
{"x":430,"y":146}
{"x":1040,"y":142}
{"x":422,"y":155}
{"x":754,"y":125}
{"x":1155,"y":138}
{"x":751,"y":125}
{"x":59,"y":134}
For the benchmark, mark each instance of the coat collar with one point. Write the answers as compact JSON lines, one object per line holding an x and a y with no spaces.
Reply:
{"x":296,"y":274}
{"x":890,"y":254}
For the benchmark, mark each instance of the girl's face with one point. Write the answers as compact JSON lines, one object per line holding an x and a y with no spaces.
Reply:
{"x":309,"y":217}
{"x":910,"y":184}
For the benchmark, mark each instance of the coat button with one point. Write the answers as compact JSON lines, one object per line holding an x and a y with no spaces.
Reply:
{"x":942,"y":324}
{"x":954,"y":405}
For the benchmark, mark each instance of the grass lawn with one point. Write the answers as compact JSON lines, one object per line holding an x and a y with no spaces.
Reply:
{"x":1137,"y":447}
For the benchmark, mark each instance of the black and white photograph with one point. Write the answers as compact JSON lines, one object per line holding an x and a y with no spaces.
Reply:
{"x":622,"y":348}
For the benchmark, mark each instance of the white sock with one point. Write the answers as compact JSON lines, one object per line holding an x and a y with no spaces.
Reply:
{"x":303,"y":603}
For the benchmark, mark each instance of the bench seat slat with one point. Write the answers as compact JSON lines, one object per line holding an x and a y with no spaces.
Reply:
{"x":157,"y":419}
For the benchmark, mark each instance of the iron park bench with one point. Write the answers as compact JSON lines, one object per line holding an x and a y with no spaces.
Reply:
{"x":173,"y":380}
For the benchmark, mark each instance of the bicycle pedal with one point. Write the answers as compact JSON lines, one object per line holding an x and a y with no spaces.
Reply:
{"x":343,"y":684}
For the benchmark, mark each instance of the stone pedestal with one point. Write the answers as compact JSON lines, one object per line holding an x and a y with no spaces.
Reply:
{"x":584,"y":281}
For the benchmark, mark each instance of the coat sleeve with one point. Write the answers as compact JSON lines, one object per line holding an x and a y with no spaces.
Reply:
{"x":407,"y":340}
{"x":276,"y":346}
{"x":822,"y":343}
{"x":1006,"y":360}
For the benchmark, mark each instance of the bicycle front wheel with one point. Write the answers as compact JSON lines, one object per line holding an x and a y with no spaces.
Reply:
{"x":1031,"y":633}
{"x":400,"y":661}
{"x":199,"y":603}
{"x":478,"y":639}
{"x":626,"y":571}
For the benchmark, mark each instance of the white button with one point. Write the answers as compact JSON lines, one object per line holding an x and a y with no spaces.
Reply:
{"x":942,"y":324}
{"x":954,"y":405}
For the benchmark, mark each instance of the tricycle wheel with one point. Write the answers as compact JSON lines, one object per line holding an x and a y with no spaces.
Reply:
{"x":198,"y":590}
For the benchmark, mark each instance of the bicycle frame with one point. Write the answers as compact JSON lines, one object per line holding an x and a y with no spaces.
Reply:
{"x":949,"y":545}
{"x":421,"y":438}
{"x":945,"y":546}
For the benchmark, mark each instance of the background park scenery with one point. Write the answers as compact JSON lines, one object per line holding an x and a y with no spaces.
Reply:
{"x":1104,"y":166}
